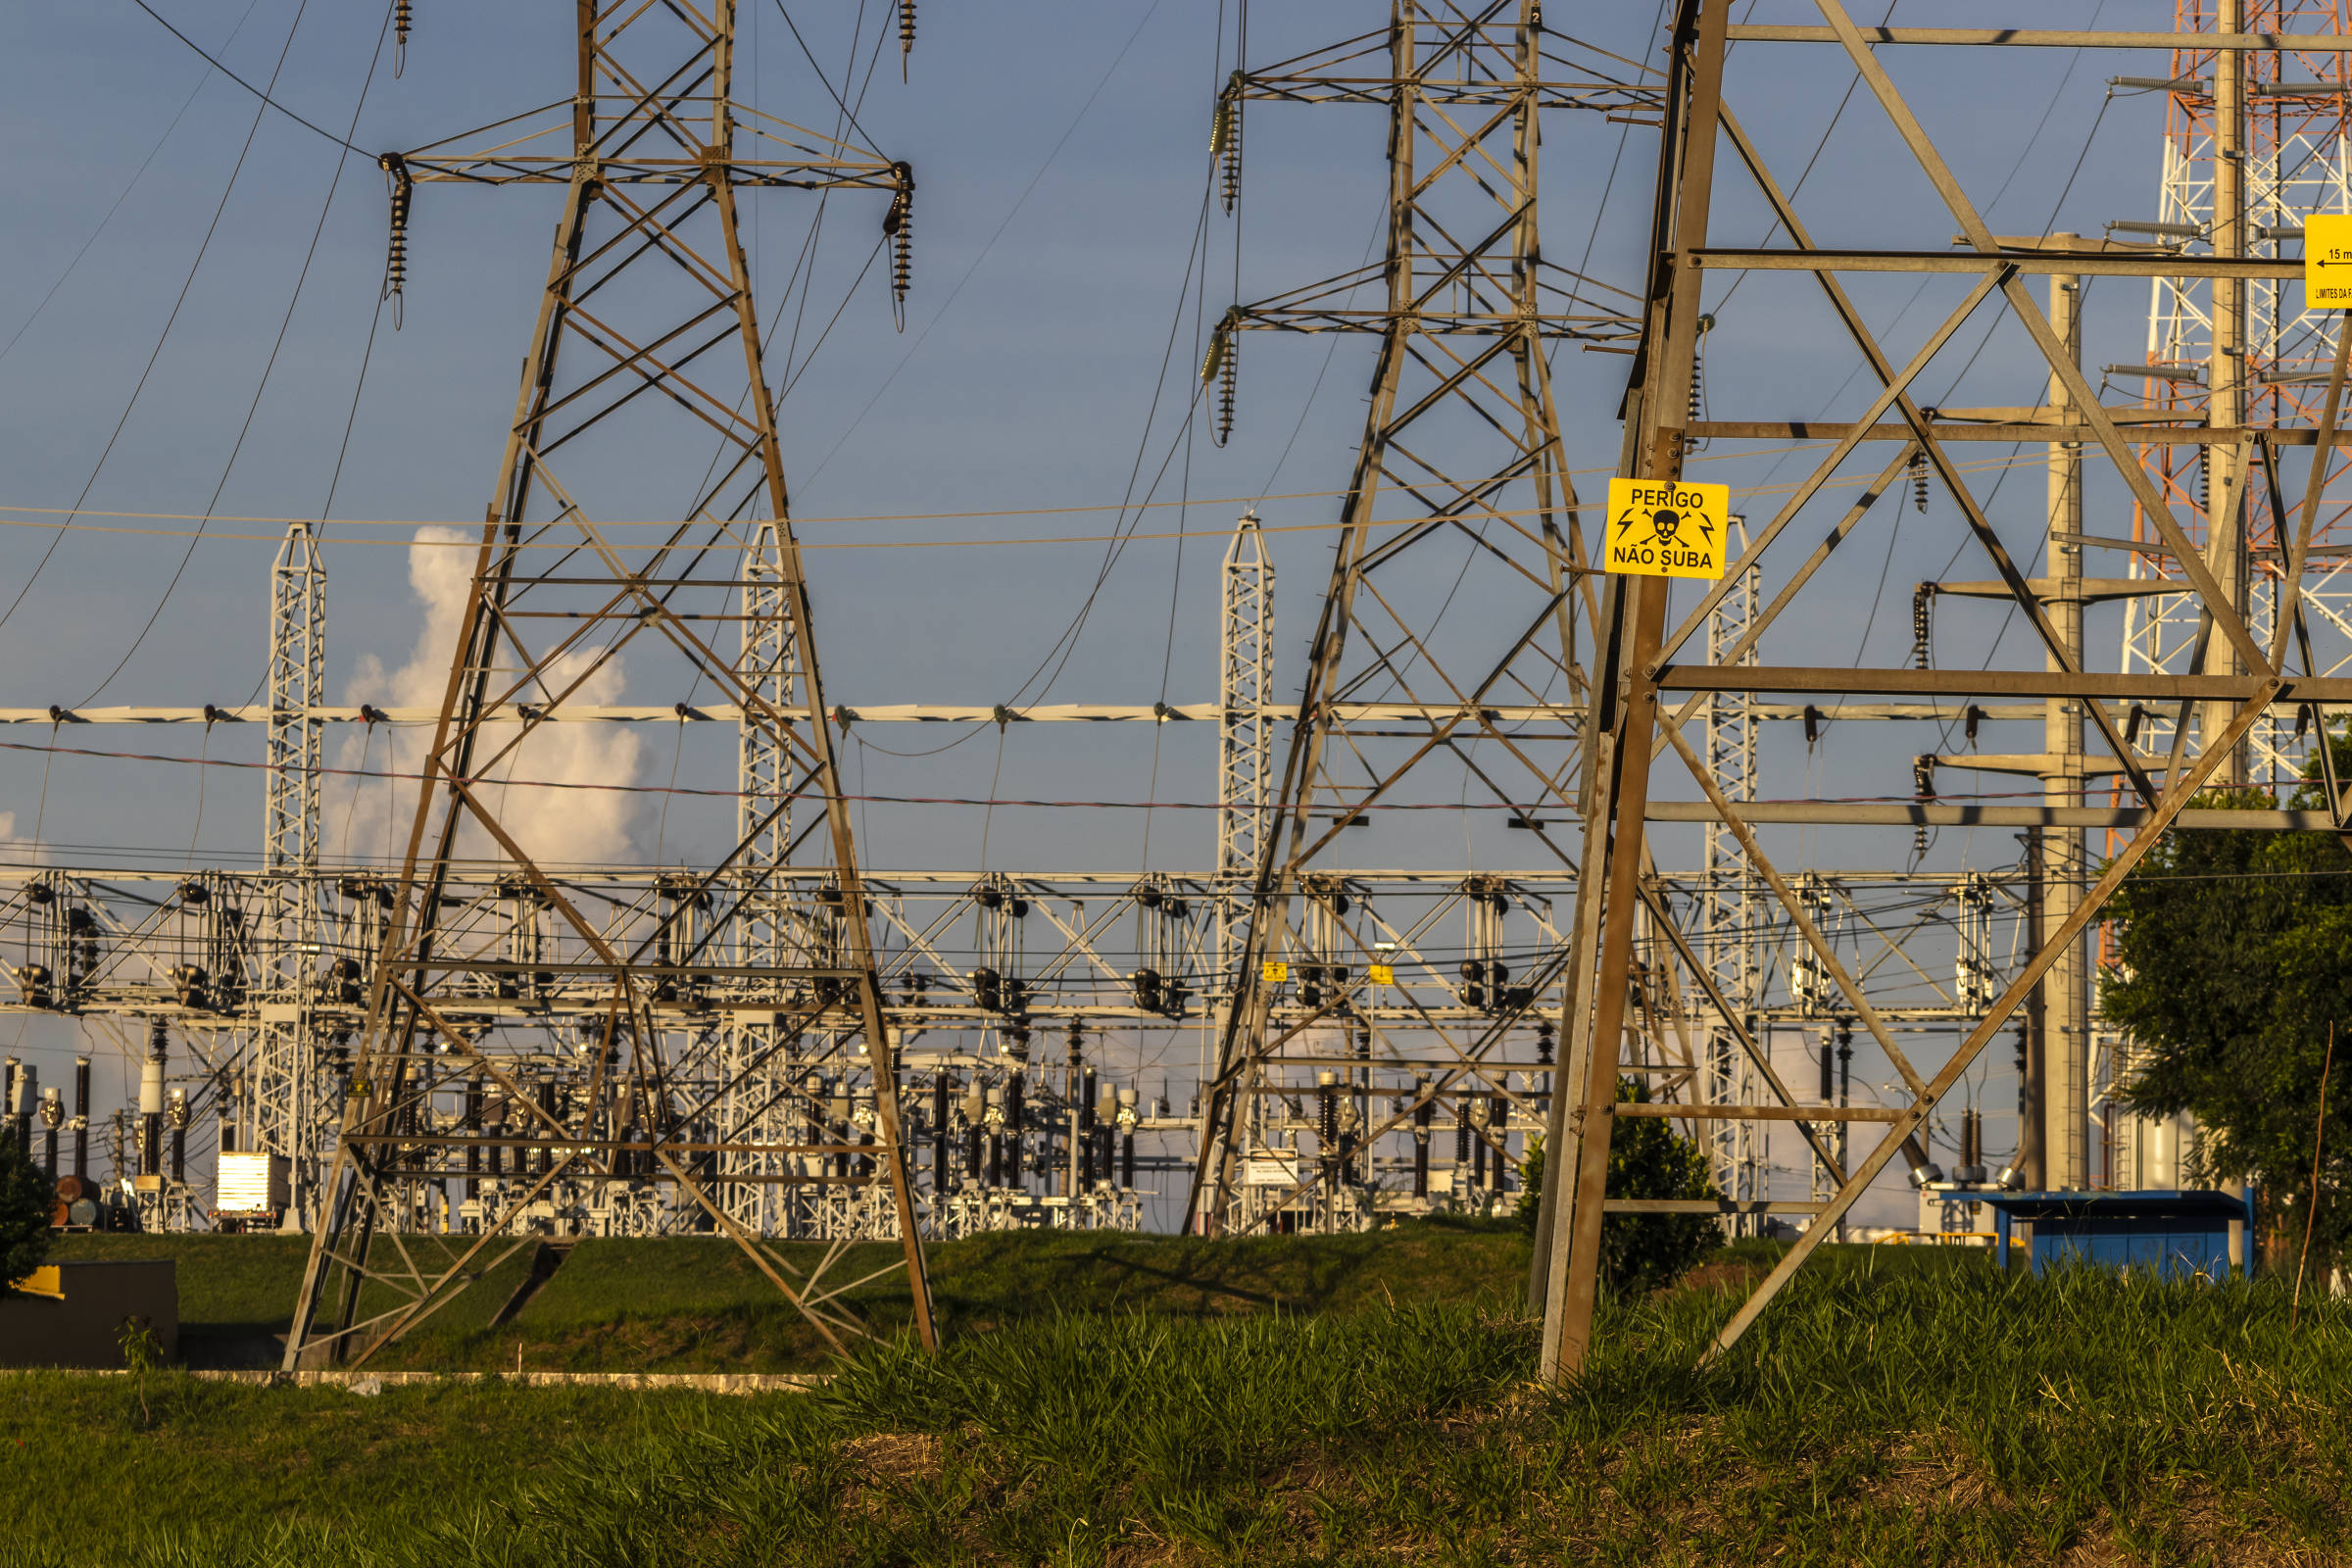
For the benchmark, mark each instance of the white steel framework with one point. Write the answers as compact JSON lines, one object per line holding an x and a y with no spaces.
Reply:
{"x":1245,"y":737}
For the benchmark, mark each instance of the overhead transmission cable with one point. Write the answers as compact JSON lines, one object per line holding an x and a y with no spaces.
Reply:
{"x":1002,"y":225}
{"x":286,"y":323}
{"x":123,"y":194}
{"x":1184,"y":488}
{"x":165,"y":336}
{"x":259,"y":92}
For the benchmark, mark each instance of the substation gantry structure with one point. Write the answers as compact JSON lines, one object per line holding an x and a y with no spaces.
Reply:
{"x":1647,"y":688}
{"x":1392,"y":1062}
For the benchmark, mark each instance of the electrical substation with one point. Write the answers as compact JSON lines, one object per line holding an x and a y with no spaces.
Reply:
{"x":1838,"y":918}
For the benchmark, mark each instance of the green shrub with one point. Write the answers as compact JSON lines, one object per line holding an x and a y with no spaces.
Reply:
{"x":1648,"y":1158}
{"x":27,"y":1200}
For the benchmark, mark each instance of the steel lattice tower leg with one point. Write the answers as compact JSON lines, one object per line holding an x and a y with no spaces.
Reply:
{"x":652,"y":154}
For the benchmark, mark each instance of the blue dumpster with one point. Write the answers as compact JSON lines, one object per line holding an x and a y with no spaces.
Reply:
{"x":2176,"y":1233}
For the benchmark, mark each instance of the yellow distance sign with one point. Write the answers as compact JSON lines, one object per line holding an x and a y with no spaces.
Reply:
{"x":1274,"y":972}
{"x":1659,"y":529}
{"x":2327,"y":261}
{"x":1383,"y":974}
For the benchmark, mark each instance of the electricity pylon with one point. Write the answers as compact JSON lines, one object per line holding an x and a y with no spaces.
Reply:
{"x":648,"y":305}
{"x":1446,"y":639}
{"x":2254,"y":143}
{"x":1646,"y":692}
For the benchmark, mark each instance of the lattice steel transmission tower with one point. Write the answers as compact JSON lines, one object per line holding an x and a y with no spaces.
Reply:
{"x":2254,"y":143}
{"x":1245,"y":740}
{"x":1649,"y":660}
{"x":1727,"y":928}
{"x":647,"y":344}
{"x":750,"y":1108}
{"x":1461,"y":484}
{"x":287,"y":1108}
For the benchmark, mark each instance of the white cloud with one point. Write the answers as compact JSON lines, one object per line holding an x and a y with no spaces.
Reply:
{"x":15,"y":849}
{"x":371,"y":817}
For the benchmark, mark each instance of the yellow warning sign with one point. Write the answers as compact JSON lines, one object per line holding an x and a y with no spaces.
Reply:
{"x":2327,"y":261}
{"x":1383,"y":974}
{"x":1659,"y":529}
{"x":1274,"y":972}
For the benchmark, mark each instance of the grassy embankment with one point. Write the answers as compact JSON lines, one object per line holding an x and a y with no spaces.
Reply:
{"x":698,"y":1305}
{"x":1891,"y":1409}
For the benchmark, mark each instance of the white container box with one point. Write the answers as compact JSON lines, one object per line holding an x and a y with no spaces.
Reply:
{"x":249,"y":1184}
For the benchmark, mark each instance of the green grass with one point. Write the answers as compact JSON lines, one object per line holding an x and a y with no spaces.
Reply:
{"x":1892,"y":1408}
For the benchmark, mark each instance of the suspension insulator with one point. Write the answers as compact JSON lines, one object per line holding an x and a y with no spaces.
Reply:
{"x":906,"y":35}
{"x":1923,"y":785}
{"x":1228,"y":382}
{"x":1223,"y":366}
{"x":1923,"y":625}
{"x":401,"y":17}
{"x":1918,"y":481}
{"x":1225,"y":142}
{"x":1698,"y":370}
{"x":396,"y":253}
{"x":898,"y":224}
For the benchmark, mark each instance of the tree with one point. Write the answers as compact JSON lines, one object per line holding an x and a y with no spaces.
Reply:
{"x":1648,"y":1158}
{"x":2233,"y":962}
{"x":27,"y":1200}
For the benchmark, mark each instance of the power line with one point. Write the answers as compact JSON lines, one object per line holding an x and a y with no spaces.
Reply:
{"x":1006,"y":223}
{"x":334,"y":186}
{"x":1993,"y":465}
{"x":165,"y":336}
{"x":1517,"y":809}
{"x":257,"y":93}
{"x":821,"y":79}
{"x":121,"y":197}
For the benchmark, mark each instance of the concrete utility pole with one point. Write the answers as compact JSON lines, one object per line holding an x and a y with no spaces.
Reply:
{"x":2226,"y":463}
{"x":2062,"y":1097}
